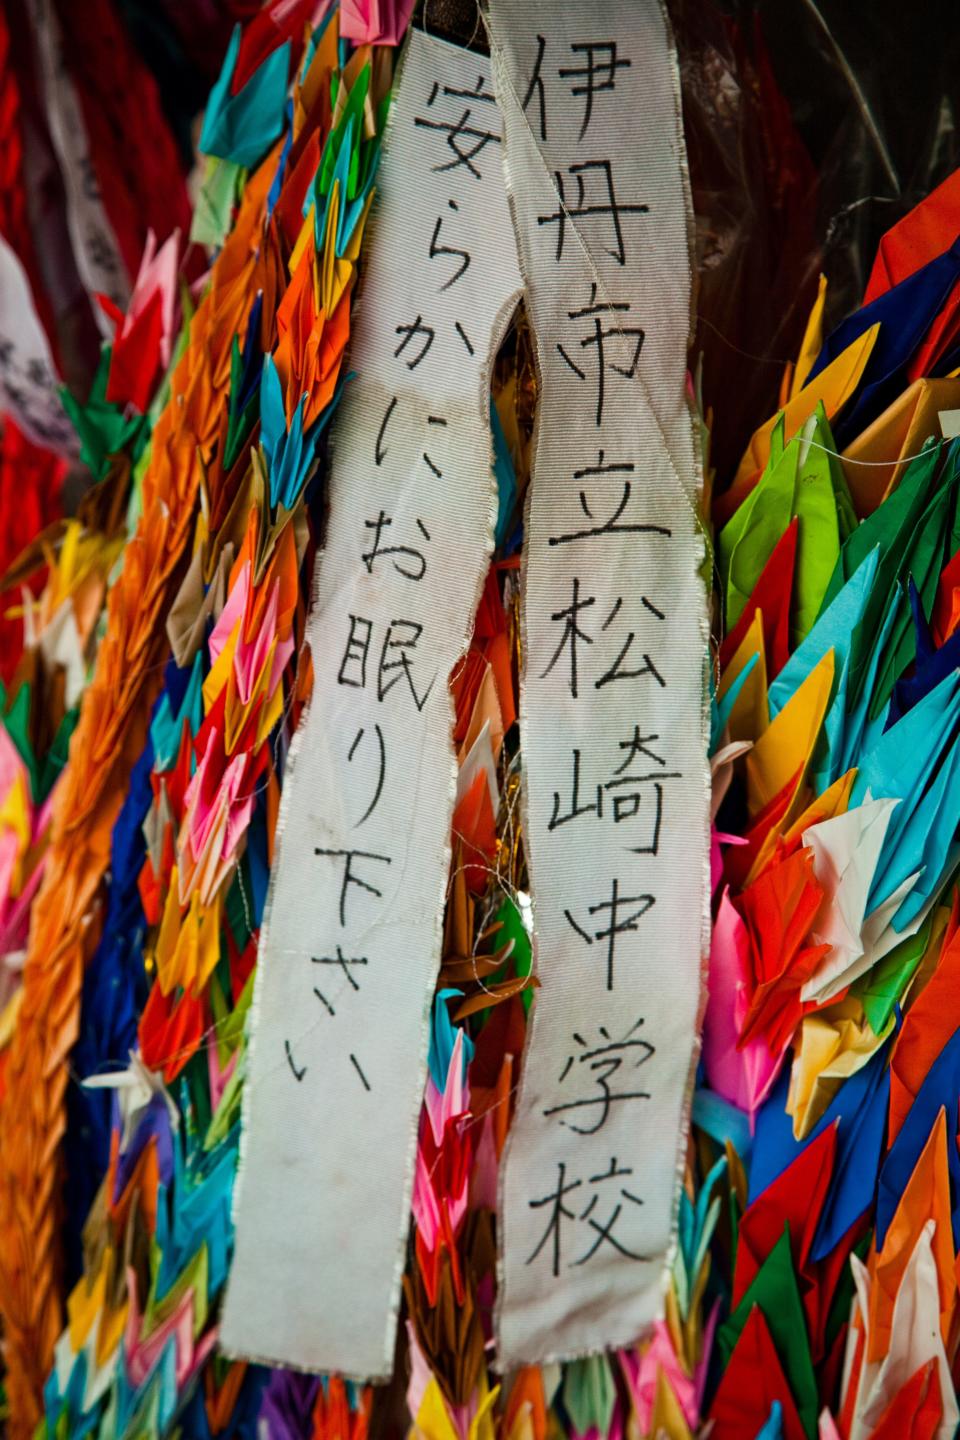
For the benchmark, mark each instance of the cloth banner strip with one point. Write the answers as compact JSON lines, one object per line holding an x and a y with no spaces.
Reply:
{"x":351,"y":943}
{"x":29,"y":388}
{"x":613,"y":717}
{"x":95,"y":247}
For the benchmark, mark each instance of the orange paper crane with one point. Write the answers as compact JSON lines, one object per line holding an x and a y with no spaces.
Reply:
{"x":108,"y":739}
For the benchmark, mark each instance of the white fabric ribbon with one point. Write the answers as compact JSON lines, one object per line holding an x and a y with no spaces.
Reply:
{"x":613,"y":712}
{"x":351,"y":944}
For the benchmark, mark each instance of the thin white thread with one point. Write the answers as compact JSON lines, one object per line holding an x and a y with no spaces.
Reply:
{"x":439,"y":39}
{"x":238,"y":876}
{"x":848,"y":460}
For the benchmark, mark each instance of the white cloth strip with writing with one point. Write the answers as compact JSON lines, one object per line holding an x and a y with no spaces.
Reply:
{"x":29,"y":386}
{"x":352,"y":938}
{"x":613,"y":716}
{"x":95,"y":248}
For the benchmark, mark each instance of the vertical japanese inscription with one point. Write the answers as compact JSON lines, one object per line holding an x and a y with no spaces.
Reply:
{"x":612,"y":709}
{"x":352,"y":940}
{"x":29,"y":386}
{"x":95,"y":248}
